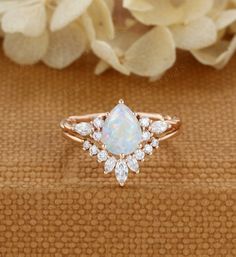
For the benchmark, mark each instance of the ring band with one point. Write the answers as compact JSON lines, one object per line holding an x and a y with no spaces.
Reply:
{"x":120,"y":138}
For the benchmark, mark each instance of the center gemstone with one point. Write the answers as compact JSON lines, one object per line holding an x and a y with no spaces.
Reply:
{"x":121,"y":133}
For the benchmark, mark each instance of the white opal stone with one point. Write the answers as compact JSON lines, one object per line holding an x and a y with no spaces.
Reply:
{"x":121,"y":133}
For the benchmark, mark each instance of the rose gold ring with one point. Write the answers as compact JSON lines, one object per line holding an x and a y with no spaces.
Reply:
{"x":121,"y":138}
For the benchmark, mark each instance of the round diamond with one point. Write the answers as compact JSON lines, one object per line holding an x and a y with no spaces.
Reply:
{"x":97,"y":135}
{"x":139,"y":154}
{"x":146,"y":135}
{"x":83,"y":128}
{"x":132,"y":163}
{"x":86,"y":145}
{"x":93,"y":150}
{"x":98,"y":122}
{"x":148,"y":149}
{"x":144,"y":122}
{"x":155,"y":143}
{"x":102,"y":156}
{"x":109,"y":164}
{"x":159,"y":126}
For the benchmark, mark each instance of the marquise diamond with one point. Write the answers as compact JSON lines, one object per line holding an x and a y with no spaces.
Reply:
{"x":159,"y":126}
{"x":110,"y":164}
{"x":121,"y":171}
{"x":132,"y":163}
{"x":83,"y":128}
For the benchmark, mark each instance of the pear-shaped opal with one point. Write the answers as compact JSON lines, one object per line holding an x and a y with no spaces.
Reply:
{"x":121,"y":133}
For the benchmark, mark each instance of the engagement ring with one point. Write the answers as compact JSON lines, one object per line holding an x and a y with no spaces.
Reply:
{"x":122,"y":138}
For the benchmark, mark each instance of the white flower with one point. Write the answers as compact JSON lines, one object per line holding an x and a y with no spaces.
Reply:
{"x":219,"y":53}
{"x":150,"y":54}
{"x":196,"y":34}
{"x":167,"y":12}
{"x":196,"y":26}
{"x":96,"y":10}
{"x":29,"y":40}
{"x":143,"y":40}
{"x":24,"y":16}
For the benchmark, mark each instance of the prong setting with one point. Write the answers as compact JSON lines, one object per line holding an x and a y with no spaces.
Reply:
{"x":91,"y":133}
{"x":124,"y":162}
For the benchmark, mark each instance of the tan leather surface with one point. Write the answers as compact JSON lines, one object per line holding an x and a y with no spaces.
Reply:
{"x":56,"y":201}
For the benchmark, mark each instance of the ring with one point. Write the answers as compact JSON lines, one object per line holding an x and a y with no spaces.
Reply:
{"x":122,"y":138}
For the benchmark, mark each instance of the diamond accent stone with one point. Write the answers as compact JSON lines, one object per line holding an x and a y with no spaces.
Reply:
{"x":102,"y":156}
{"x":133,"y":163}
{"x":148,"y":149}
{"x":139,"y":155}
{"x":159,"y":126}
{"x":110,"y":164}
{"x":146,"y":135}
{"x":93,"y":150}
{"x":97,"y":135}
{"x":121,"y":171}
{"x":98,"y":122}
{"x":83,"y":128}
{"x":144,"y":122}
{"x":121,"y":133}
{"x":86,"y":145}
{"x":155,"y":143}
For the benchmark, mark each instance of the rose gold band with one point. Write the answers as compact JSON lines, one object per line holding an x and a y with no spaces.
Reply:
{"x":67,"y":125}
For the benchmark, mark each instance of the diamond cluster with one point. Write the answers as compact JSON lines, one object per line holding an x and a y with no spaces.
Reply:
{"x":121,"y":163}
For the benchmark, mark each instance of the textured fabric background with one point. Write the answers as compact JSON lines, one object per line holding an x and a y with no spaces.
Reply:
{"x":56,"y":201}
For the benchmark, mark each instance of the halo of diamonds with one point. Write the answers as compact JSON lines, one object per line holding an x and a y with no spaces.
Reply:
{"x":122,"y":164}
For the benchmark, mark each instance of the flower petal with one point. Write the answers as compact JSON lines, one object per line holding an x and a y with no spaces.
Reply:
{"x":165,"y":12}
{"x":28,"y":20}
{"x":226,"y":18}
{"x":65,"y":47}
{"x":104,"y":51}
{"x":87,"y":23}
{"x":162,"y":13}
{"x":1,"y":33}
{"x":67,"y":11}
{"x":101,"y":67}
{"x":217,"y":8}
{"x":6,"y":5}
{"x":193,"y":9}
{"x":154,"y":59}
{"x":217,"y":55}
{"x":233,"y":27}
{"x":195,"y":35}
{"x":25,"y":50}
{"x":110,"y":4}
{"x":233,"y":2}
{"x":102,"y":20}
{"x":137,"y":5}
